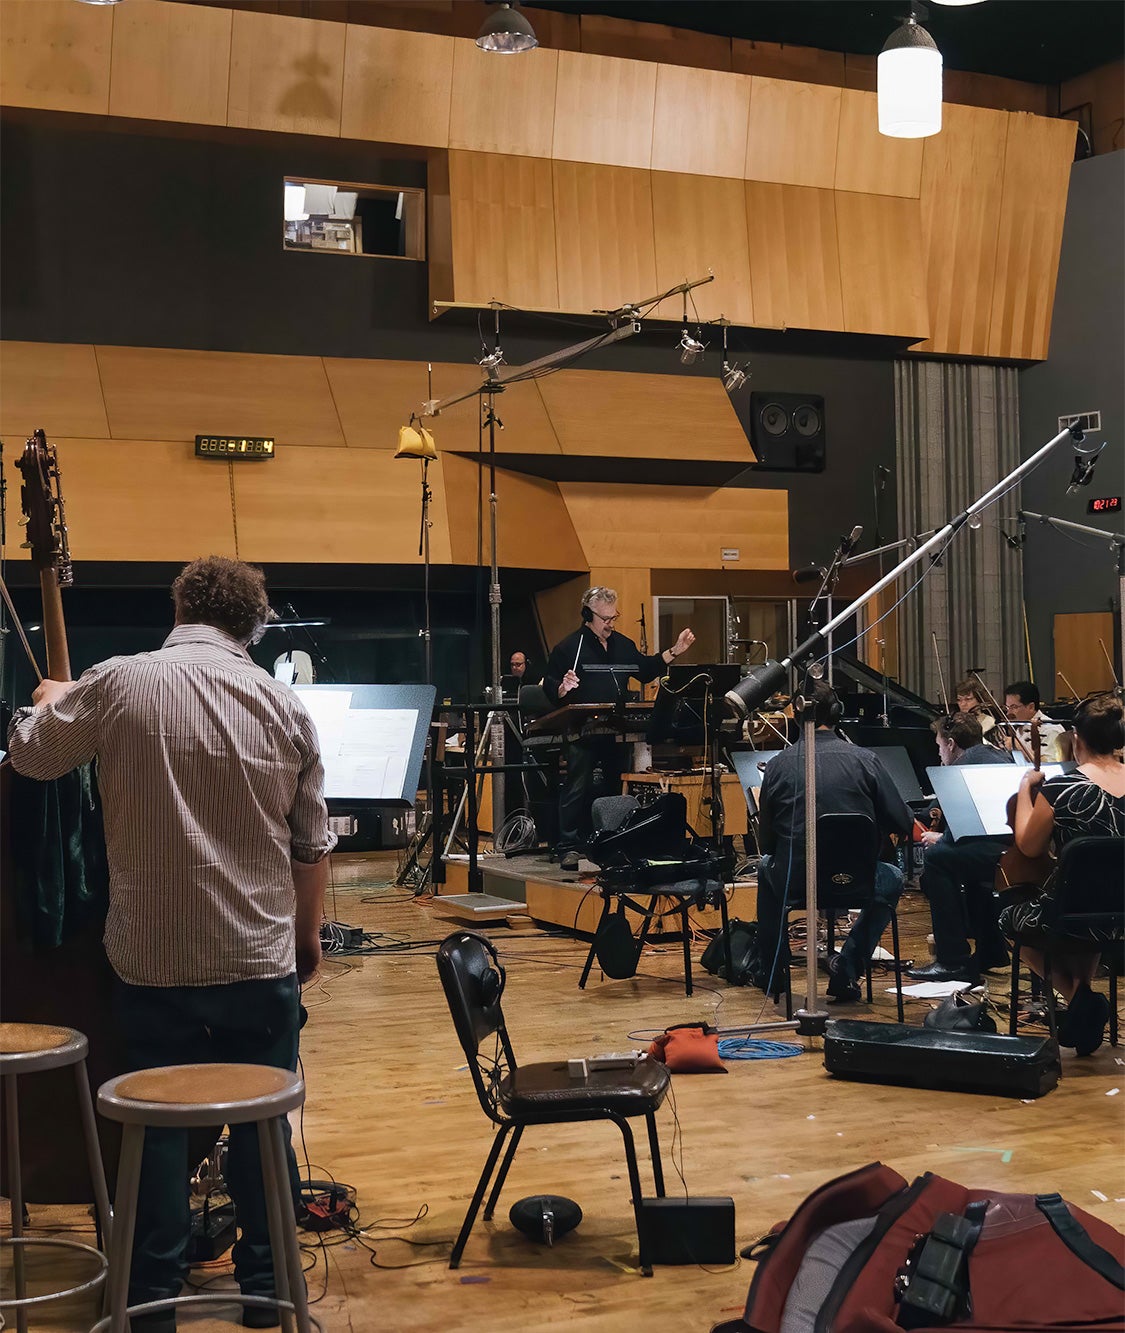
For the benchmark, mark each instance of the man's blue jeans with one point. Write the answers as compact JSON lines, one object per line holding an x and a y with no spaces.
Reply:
{"x":863,"y":937}
{"x":246,"y":1022}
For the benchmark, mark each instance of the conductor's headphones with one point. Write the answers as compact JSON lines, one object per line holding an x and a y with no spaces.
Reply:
{"x":595,"y":594}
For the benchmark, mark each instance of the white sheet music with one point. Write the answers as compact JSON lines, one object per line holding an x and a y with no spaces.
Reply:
{"x":365,"y":750}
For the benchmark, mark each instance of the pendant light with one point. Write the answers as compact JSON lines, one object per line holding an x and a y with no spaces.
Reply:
{"x":909,"y":81}
{"x":506,"y":32}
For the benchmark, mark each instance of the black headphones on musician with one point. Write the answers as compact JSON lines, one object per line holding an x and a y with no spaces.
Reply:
{"x":599,"y":593}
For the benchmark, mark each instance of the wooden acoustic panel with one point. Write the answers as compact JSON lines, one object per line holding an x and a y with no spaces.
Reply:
{"x":55,"y":54}
{"x":375,"y":398}
{"x":51,"y":386}
{"x":792,"y":134}
{"x":1037,"y":164}
{"x":794,"y":256}
{"x":1078,"y":653}
{"x":701,"y":121}
{"x":681,"y":527}
{"x":799,"y":64}
{"x":170,"y":62}
{"x":604,"y":35}
{"x":881,"y":278}
{"x":502,"y":221}
{"x":533,"y":525}
{"x":286,"y":73}
{"x":397,"y":86}
{"x":336,"y":506}
{"x":503,"y":105}
{"x":604,"y":109}
{"x":868,"y":162}
{"x":166,"y":394}
{"x":603,"y":236}
{"x":644,"y":416}
{"x":700,"y":225}
{"x":145,"y":500}
{"x":962,"y":183}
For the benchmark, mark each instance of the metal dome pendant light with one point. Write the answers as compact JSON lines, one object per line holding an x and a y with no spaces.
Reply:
{"x":909,"y":81}
{"x":506,"y":32}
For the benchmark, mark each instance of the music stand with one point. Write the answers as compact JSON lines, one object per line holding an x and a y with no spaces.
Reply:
{"x":974,"y":797}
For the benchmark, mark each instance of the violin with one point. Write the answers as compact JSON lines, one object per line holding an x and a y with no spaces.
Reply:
{"x":1016,"y":870}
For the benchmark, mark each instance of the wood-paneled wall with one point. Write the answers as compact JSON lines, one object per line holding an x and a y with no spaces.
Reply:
{"x":549,"y":158}
{"x":124,"y":420}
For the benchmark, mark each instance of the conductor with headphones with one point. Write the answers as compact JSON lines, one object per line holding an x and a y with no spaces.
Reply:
{"x":849,"y":780}
{"x":589,"y":666}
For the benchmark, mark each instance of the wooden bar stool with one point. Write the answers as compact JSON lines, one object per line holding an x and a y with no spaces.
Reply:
{"x":185,"y":1097}
{"x":32,"y":1048}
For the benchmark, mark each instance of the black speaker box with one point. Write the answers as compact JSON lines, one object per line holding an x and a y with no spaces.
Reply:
{"x":986,"y":1062}
{"x":786,"y":430}
{"x":688,"y":1231}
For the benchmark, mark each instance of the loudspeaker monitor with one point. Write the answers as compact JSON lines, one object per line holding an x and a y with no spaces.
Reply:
{"x":786,"y":430}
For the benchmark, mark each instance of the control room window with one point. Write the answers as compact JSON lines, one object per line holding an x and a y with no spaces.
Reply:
{"x":339,"y":217}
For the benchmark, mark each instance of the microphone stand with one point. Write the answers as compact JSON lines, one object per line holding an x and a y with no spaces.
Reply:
{"x":756,"y":688}
{"x":827,"y":589}
{"x":1117,"y":546}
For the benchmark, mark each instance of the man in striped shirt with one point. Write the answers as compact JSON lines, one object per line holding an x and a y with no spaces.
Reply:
{"x":217,"y":839}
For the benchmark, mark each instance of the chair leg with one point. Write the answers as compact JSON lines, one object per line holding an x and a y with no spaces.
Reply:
{"x":102,"y":1211}
{"x":125,"y":1203}
{"x":654,"y":1149}
{"x":635,"y":1190}
{"x":478,"y":1195}
{"x":15,"y":1193}
{"x":593,"y":943}
{"x":1113,"y":1004}
{"x":1014,"y":996}
{"x":687,"y":945}
{"x":502,"y":1175}
{"x":788,"y":969}
{"x":724,"y":922}
{"x":898,"y":964}
{"x":1049,"y":988}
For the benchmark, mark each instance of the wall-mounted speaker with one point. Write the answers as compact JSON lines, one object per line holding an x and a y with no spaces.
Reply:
{"x":786,"y":430}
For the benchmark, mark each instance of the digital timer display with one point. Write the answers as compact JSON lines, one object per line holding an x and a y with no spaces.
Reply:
{"x":234,"y":446}
{"x":1104,"y":504}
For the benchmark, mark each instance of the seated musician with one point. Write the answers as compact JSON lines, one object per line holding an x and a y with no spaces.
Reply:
{"x":1021,"y":703}
{"x":971,"y":699}
{"x":569,"y":680}
{"x":958,"y":878}
{"x":849,"y":780}
{"x":1089,"y":802}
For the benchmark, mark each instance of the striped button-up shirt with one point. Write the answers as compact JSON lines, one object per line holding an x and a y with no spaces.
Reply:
{"x":211,"y":781}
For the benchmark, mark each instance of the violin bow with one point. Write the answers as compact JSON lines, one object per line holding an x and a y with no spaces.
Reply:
{"x":941,"y":678}
{"x":19,"y":629}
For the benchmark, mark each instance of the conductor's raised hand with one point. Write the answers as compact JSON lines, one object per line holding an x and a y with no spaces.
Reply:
{"x":569,"y":682}
{"x":684,"y":642}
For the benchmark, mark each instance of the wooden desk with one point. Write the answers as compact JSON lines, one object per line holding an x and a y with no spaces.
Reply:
{"x":695,"y":787}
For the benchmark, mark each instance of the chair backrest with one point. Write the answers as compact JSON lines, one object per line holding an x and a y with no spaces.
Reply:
{"x":608,"y":813}
{"x":473,"y":980}
{"x":533,"y":701}
{"x":847,"y":851}
{"x":1089,"y":887}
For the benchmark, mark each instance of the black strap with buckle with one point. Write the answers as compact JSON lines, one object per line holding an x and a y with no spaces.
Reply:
{"x":933,"y":1286}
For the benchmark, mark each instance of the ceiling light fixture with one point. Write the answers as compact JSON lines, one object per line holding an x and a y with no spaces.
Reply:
{"x":909,"y":81}
{"x":958,"y":4}
{"x":101,"y":2}
{"x":506,"y":32}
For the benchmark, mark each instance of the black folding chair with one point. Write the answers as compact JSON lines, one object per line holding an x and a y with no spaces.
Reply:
{"x":1088,"y":894}
{"x":515,"y":1096}
{"x":847,"y":852}
{"x":651,"y":862}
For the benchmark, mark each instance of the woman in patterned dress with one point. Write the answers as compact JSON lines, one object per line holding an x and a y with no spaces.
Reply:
{"x":1089,"y":802}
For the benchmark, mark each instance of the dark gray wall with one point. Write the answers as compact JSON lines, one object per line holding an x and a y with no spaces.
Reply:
{"x":1084,"y":371}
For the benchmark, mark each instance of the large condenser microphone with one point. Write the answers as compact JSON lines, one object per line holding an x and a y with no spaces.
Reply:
{"x":848,"y":544}
{"x":1084,"y":461}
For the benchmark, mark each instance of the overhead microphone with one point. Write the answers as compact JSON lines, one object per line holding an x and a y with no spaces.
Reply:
{"x":848,"y":544}
{"x":1084,"y":462}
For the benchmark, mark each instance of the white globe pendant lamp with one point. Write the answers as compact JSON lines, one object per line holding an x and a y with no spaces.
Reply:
{"x":909,"y":83}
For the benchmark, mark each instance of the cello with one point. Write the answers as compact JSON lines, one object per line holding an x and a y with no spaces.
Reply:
{"x":55,"y":888}
{"x":1016,"y":871}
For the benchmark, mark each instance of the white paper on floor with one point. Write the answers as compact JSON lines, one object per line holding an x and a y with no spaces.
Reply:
{"x":932,"y":990}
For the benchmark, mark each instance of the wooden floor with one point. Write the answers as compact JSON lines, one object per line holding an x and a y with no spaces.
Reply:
{"x":391,"y":1111}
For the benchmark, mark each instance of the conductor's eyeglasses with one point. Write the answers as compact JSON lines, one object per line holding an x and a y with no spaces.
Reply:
{"x":607,"y":620}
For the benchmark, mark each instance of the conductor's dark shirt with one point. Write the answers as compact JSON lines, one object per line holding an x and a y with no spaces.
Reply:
{"x":597,"y":687}
{"x":849,"y":781}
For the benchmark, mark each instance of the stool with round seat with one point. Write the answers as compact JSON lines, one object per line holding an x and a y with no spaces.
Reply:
{"x":32,"y":1048}
{"x":185,"y":1097}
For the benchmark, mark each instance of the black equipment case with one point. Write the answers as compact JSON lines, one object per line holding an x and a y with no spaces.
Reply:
{"x":949,"y":1061}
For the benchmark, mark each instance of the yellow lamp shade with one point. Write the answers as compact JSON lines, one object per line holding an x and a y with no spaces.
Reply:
{"x":415,"y":443}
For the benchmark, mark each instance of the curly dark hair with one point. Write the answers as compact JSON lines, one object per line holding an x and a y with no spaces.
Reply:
{"x":224,"y":593}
